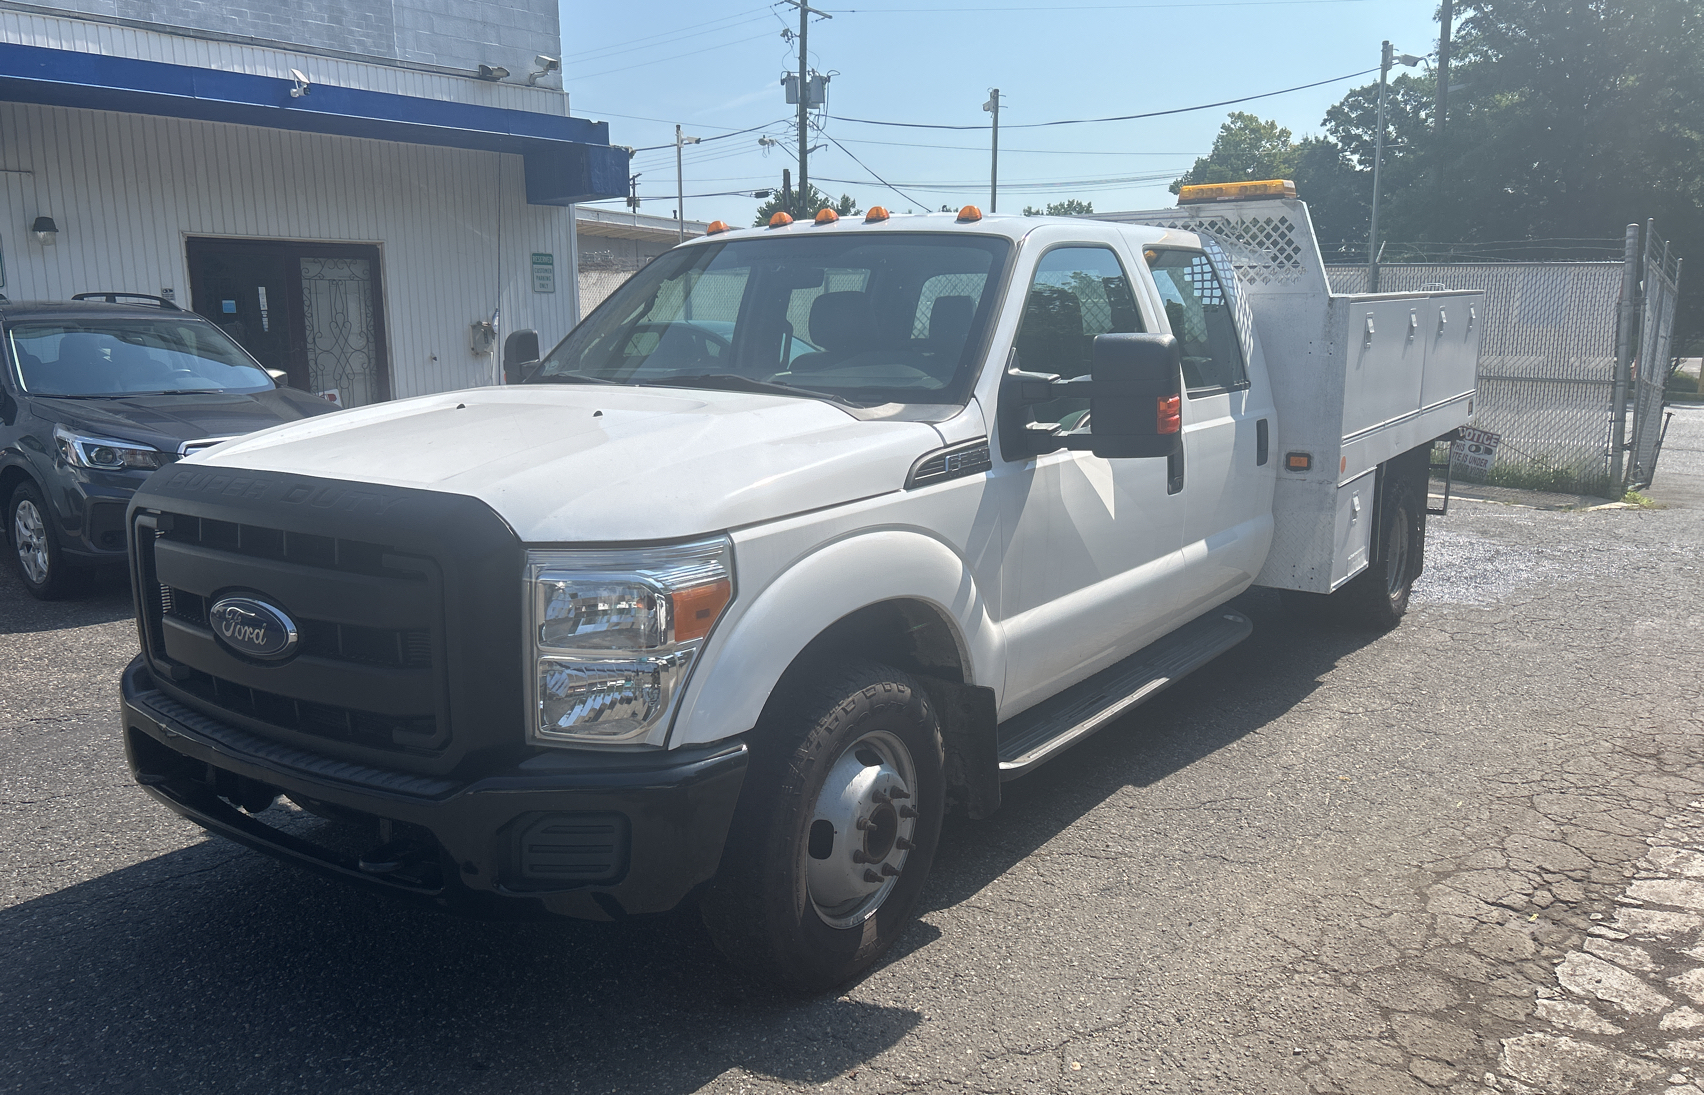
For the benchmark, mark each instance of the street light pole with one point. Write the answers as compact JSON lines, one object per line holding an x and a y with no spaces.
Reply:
{"x":680,"y":181}
{"x":993,"y":107}
{"x":1386,"y":59}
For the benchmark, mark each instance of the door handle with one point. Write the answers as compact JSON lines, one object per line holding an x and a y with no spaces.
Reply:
{"x":1262,"y":434}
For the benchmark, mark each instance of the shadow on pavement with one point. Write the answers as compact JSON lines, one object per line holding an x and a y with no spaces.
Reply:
{"x":212,"y":968}
{"x":105,"y":598}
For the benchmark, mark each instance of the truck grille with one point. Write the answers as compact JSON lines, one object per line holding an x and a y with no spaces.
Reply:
{"x":385,"y":675}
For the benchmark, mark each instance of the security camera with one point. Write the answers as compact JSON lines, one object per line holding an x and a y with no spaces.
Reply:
{"x":301,"y":86}
{"x":546,"y":65}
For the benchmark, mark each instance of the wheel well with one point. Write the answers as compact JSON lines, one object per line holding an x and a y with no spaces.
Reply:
{"x":906,"y":633}
{"x":10,"y":477}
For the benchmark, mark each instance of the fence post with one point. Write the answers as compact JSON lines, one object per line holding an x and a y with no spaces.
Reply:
{"x":1625,"y":320}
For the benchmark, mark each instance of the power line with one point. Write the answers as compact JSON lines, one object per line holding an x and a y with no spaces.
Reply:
{"x":867,"y":167}
{"x":670,"y":57}
{"x":652,"y":41}
{"x":981,"y":10}
{"x":717,"y":137}
{"x":1117,"y":117}
{"x":1043,"y":151}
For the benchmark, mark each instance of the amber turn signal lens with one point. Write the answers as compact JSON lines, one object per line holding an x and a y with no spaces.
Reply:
{"x":876,"y":213}
{"x":826,"y":216}
{"x":780,"y":220}
{"x":1168,"y":417}
{"x":1298,"y":461}
{"x":696,"y":609}
{"x":715,"y":227}
{"x":969,"y":213}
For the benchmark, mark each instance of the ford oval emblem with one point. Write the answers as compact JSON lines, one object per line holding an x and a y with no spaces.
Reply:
{"x":253,"y":628}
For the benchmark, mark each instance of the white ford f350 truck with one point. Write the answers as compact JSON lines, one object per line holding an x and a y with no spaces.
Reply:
{"x":806,"y":533}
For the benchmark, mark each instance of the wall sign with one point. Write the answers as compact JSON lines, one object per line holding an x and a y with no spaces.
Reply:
{"x":544,"y":273}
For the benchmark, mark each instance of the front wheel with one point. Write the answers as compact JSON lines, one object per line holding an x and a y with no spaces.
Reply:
{"x":836,"y":828}
{"x":35,"y":546}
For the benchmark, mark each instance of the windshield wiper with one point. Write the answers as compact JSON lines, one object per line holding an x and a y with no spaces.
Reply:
{"x":733,"y":382}
{"x":181,"y":391}
{"x":570,"y":378}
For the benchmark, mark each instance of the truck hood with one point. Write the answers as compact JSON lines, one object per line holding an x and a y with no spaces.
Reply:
{"x":575,"y":463}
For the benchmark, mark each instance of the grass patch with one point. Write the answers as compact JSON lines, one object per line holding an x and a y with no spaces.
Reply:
{"x":1643,"y":501}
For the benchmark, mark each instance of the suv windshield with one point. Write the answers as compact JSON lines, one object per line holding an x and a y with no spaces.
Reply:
{"x":94,"y":357}
{"x":892,"y":319}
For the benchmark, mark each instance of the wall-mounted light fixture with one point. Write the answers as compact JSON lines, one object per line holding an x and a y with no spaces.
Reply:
{"x":45,"y":230}
{"x":493,"y":72}
{"x":299,"y":85}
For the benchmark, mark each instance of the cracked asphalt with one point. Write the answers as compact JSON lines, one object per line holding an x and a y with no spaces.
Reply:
{"x":1465,"y":856}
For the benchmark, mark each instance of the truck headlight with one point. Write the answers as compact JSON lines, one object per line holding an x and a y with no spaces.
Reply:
{"x":108,"y":455}
{"x":614,"y":634}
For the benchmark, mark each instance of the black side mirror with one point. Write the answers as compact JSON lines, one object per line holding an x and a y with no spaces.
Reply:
{"x":1136,"y":397}
{"x":520,"y":350}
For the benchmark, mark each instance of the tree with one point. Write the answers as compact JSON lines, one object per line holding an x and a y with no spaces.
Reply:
{"x":1070,"y":207}
{"x":1246,"y":148}
{"x":806,"y":209}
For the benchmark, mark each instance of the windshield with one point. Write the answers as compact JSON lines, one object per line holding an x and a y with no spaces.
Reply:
{"x":892,"y":319}
{"x":122,"y":356}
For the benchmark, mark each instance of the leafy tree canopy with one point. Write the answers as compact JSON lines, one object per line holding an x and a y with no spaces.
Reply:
{"x":1070,"y":207}
{"x":805,"y":206}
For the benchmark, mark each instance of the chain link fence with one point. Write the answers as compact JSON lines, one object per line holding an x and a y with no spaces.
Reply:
{"x":1546,"y":364}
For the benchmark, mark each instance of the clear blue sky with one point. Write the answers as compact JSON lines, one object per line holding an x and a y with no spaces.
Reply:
{"x":643,"y":65}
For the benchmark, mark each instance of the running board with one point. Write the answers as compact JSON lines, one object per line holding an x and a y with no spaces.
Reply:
{"x":1053,"y":726}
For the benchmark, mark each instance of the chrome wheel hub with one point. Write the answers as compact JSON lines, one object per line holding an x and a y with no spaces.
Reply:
{"x":29,"y":533}
{"x":862,"y":826}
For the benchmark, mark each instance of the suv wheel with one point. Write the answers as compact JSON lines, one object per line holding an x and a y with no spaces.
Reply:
{"x":35,"y":546}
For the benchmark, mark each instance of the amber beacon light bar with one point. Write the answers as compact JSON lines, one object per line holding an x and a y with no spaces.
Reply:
{"x":1236,"y":192}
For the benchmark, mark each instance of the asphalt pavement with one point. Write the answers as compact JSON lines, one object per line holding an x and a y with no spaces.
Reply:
{"x":1329,"y":862}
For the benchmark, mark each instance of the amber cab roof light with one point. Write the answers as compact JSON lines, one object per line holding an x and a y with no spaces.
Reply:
{"x":780,"y":220}
{"x":876,"y":213}
{"x":716,"y":227}
{"x":1236,"y":191}
{"x":969,"y":213}
{"x":826,"y":216}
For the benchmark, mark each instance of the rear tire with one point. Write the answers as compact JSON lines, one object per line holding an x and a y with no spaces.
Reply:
{"x":36,"y":554}
{"x":1377,"y":598}
{"x":835,"y":831}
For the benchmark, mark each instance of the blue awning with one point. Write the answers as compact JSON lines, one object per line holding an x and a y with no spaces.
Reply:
{"x":567,"y":159}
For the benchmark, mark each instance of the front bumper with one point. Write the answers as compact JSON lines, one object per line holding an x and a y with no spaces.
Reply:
{"x":594,"y":835}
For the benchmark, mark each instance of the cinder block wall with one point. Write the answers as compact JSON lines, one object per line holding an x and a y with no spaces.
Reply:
{"x":459,"y":34}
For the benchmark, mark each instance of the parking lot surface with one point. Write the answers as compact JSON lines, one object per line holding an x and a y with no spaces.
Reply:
{"x":1463,"y":856}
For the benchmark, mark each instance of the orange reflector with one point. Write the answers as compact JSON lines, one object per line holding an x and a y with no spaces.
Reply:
{"x":1298,"y":461}
{"x":876,"y":213}
{"x":969,"y":213}
{"x":1169,"y":414}
{"x":826,"y":216}
{"x":715,"y":227}
{"x":780,"y":220}
{"x":696,"y":609}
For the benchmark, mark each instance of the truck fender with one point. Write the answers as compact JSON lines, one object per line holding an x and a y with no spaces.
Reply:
{"x":768,"y":628}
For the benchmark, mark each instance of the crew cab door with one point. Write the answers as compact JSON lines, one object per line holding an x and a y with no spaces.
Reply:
{"x":1088,"y":572}
{"x":1226,"y":433}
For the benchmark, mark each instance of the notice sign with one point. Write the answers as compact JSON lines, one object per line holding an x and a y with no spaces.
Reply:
{"x":544,"y":273}
{"x":1476,"y":449}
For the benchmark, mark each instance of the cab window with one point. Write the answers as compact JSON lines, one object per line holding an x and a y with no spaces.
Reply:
{"x":1076,"y":294}
{"x":1199,"y":311}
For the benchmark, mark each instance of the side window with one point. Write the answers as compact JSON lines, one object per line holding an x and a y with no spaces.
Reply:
{"x":1199,"y":311}
{"x":1076,"y":294}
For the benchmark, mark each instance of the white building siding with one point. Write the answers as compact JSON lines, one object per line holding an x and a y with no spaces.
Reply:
{"x":113,"y":40}
{"x":454,"y":232}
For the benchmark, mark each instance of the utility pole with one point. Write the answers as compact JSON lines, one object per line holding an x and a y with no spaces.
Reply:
{"x":680,"y":181}
{"x":633,"y":195}
{"x":805,"y":13}
{"x":1386,"y":59}
{"x":992,"y":106}
{"x":1446,"y":14}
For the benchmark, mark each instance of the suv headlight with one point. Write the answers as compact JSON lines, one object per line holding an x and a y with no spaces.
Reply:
{"x":107,"y":455}
{"x":614,"y":634}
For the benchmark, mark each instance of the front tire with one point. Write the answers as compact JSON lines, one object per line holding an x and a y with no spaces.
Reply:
{"x":836,"y":829}
{"x":36,"y":553}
